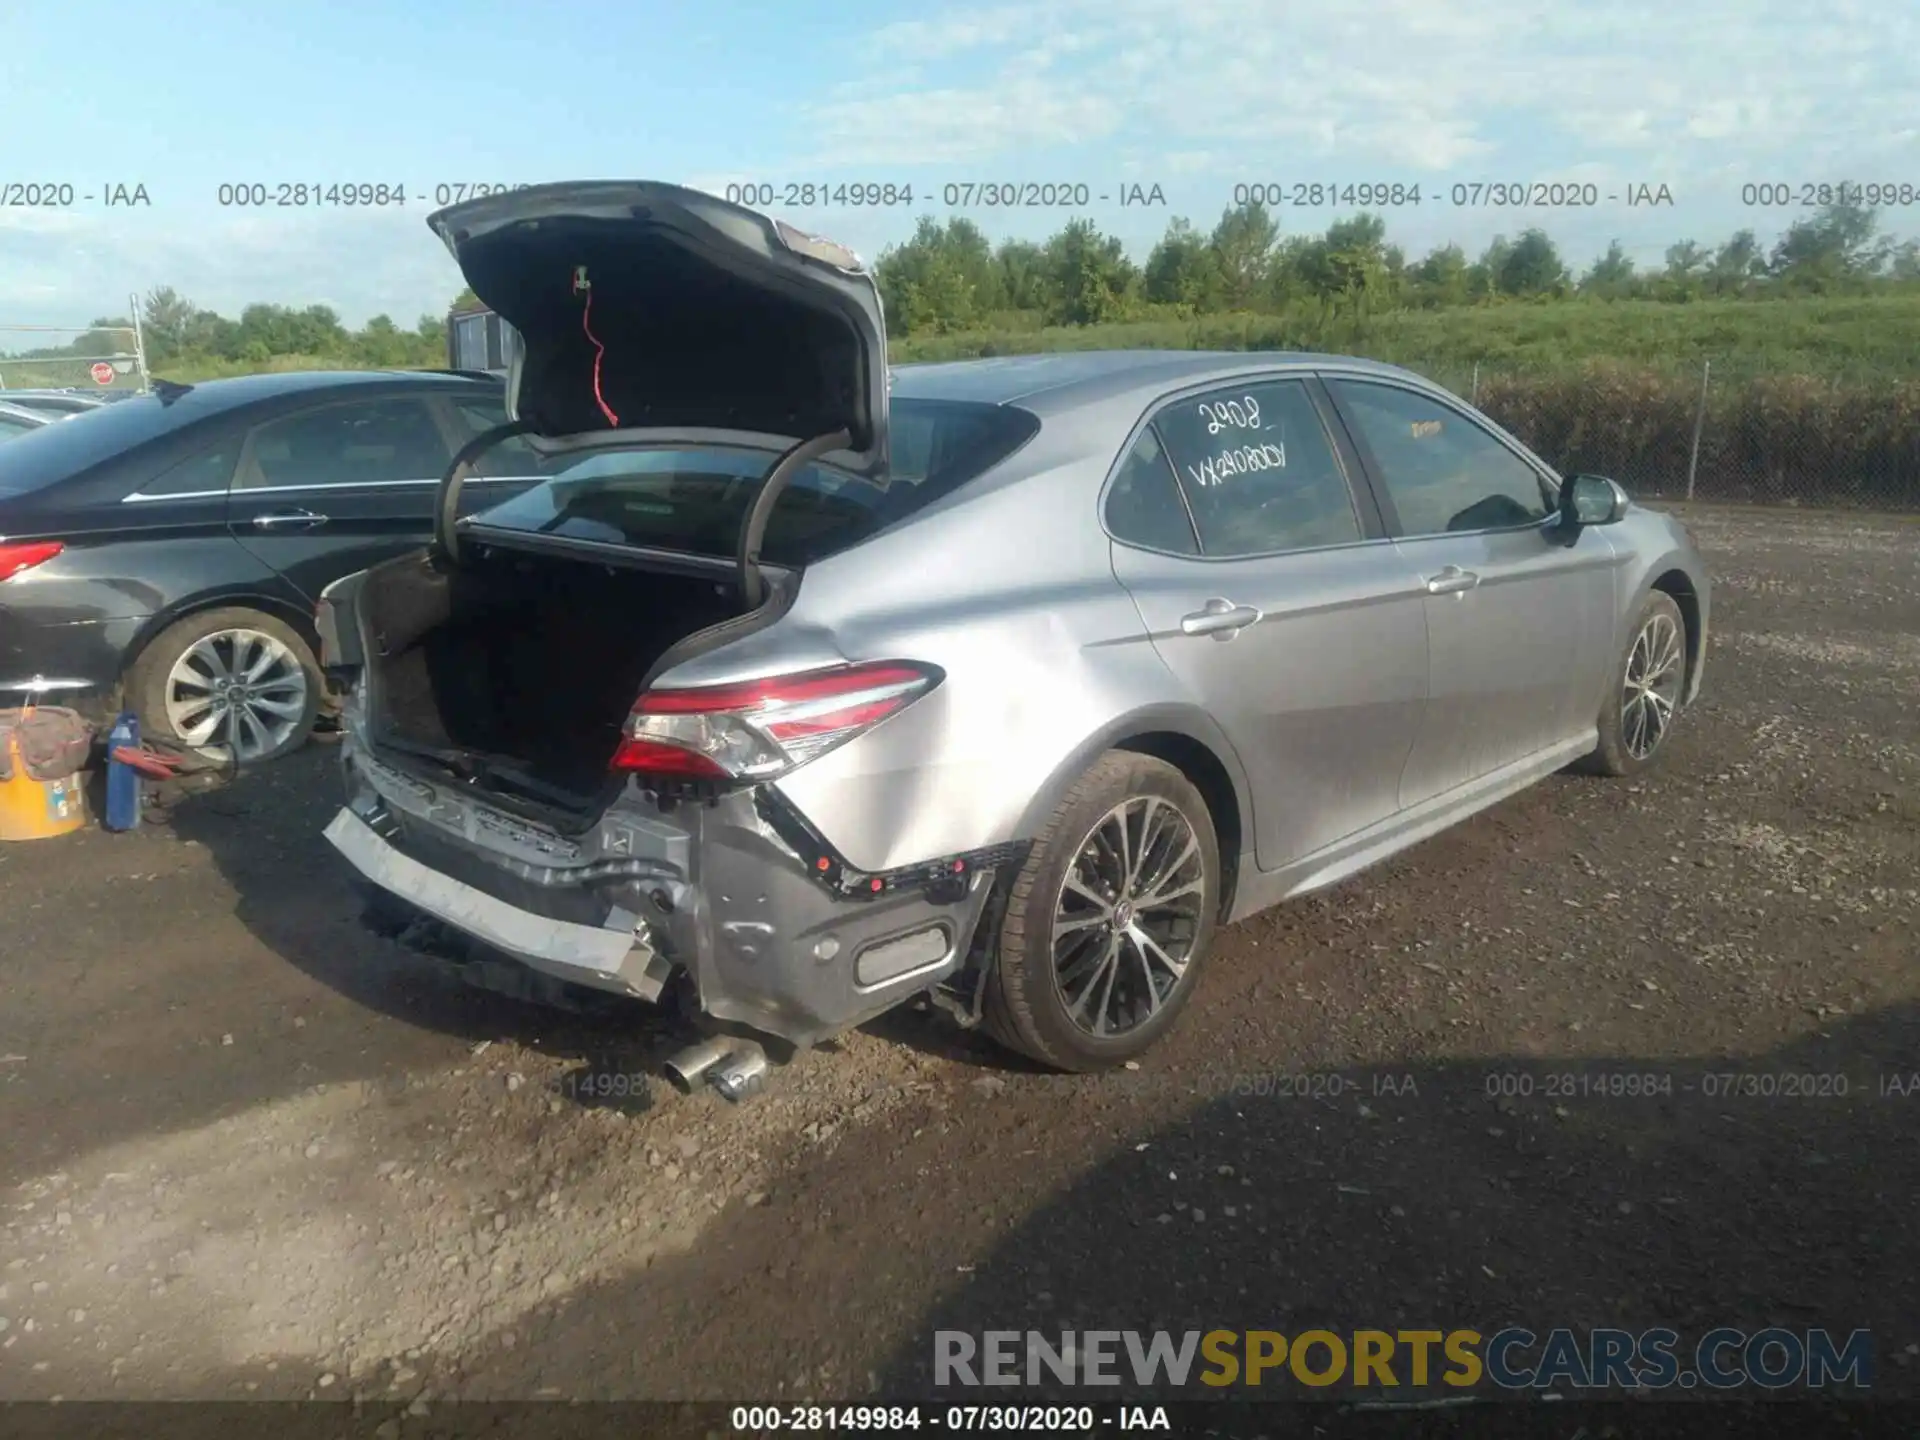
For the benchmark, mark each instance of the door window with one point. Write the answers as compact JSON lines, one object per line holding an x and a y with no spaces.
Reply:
{"x":371,"y":442}
{"x":1258,"y":470}
{"x":1443,"y":473}
{"x":510,"y":457}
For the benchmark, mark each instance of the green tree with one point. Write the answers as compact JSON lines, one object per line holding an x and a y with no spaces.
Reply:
{"x":1736,"y":264}
{"x":381,"y":343}
{"x":1349,"y":265}
{"x":944,"y":278}
{"x":167,"y":323}
{"x":1684,"y":274}
{"x":1442,"y":278}
{"x":1181,"y":270}
{"x":1483,"y":276}
{"x":1242,"y":245}
{"x":1024,"y":280}
{"x":1532,"y":266}
{"x":1091,"y":275}
{"x":1834,"y":245}
{"x":1611,"y":277}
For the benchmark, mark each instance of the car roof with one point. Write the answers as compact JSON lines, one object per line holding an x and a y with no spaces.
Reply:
{"x":1064,"y":380}
{"x":244,"y":389}
{"x":106,"y":433}
{"x":21,"y":412}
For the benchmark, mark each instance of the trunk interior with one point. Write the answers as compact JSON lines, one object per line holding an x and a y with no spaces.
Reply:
{"x":530,"y":658}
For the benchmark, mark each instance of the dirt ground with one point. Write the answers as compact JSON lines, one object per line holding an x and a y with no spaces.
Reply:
{"x":248,"y":1150}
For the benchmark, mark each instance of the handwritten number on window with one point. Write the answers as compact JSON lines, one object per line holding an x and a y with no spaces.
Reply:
{"x":1240,"y":460}
{"x":1241,"y":414}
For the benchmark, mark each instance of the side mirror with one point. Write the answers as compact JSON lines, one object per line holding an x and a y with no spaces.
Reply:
{"x":1591,"y":500}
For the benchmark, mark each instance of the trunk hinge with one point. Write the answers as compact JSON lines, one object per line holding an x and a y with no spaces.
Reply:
{"x":446,"y":508}
{"x":754,"y":530}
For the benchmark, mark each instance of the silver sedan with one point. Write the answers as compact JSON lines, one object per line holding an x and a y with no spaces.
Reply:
{"x":810,"y":687}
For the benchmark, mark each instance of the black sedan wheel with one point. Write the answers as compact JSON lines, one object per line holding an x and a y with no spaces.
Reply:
{"x":230,"y":684}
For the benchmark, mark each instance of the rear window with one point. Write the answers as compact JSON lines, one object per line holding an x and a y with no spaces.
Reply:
{"x":50,"y":453}
{"x":694,"y":500}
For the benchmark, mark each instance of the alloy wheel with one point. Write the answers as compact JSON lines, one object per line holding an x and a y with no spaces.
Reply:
{"x":237,"y":693}
{"x":1127,"y":916}
{"x":1655,"y":668}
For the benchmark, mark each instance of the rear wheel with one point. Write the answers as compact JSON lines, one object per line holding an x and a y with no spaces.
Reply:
{"x":1110,"y":919}
{"x":229,"y":684}
{"x":1644,"y":700}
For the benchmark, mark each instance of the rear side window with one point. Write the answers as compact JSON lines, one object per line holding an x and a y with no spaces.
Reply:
{"x":1259,"y":470}
{"x":207,"y":473}
{"x":1144,"y":506}
{"x":47,"y":454}
{"x":695,"y":500}
{"x":369,"y":442}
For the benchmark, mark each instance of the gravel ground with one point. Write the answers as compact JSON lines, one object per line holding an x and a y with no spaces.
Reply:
{"x":248,"y":1150}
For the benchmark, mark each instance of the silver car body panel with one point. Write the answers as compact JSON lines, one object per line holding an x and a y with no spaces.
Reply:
{"x":1359,"y":715}
{"x":714,"y":889}
{"x":598,"y":955}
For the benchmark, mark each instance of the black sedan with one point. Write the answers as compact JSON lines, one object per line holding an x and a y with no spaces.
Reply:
{"x":166,"y":552}
{"x":55,"y":403}
{"x":17,"y":420}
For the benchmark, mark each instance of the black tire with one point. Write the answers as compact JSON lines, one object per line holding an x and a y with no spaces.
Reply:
{"x":1025,"y":1009}
{"x":147,"y":677}
{"x":1619,"y":752}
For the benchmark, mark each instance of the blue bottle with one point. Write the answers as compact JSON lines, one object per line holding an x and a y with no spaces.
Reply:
{"x":123,"y":781}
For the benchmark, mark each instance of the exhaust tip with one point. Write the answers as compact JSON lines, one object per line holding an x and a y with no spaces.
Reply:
{"x":687,"y":1068}
{"x":740,"y":1076}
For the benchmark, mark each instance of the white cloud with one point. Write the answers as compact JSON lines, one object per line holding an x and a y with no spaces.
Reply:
{"x":924,"y":40}
{"x":1427,"y":84}
{"x":1199,"y":95}
{"x":361,"y":264}
{"x":946,"y":127}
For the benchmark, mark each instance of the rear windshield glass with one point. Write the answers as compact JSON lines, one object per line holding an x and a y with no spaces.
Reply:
{"x":694,"y":500}
{"x":66,"y":447}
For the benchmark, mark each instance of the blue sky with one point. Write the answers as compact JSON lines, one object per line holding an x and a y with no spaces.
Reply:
{"x":1196,"y":96}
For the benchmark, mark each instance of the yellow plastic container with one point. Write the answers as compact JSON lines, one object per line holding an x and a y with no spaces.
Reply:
{"x":33,"y":809}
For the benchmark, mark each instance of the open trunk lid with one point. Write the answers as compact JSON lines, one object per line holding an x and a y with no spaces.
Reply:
{"x":649,"y":313}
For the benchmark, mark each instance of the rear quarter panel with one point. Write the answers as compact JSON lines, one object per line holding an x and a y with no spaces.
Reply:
{"x":1010,"y":591}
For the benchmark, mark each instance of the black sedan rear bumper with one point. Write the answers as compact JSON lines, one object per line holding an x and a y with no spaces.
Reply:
{"x":76,"y":663}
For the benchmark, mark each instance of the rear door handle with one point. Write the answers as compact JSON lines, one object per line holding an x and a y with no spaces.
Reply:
{"x":288,"y":520}
{"x":1451,"y":581}
{"x":1221,"y":619}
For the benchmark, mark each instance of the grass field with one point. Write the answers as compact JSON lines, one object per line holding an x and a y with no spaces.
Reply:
{"x":1851,"y":338}
{"x":1812,"y":400}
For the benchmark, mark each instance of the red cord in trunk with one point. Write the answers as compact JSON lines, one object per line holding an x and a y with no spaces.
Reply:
{"x":600,"y":353}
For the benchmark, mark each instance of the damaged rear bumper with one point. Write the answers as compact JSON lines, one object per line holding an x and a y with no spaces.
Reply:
{"x":780,"y":941}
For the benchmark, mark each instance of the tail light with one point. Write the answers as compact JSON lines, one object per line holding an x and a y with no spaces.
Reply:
{"x":763,"y":728}
{"x":24,"y":555}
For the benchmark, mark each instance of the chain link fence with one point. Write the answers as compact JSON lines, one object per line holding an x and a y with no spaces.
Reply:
{"x":1719,"y":432}
{"x":79,"y":357}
